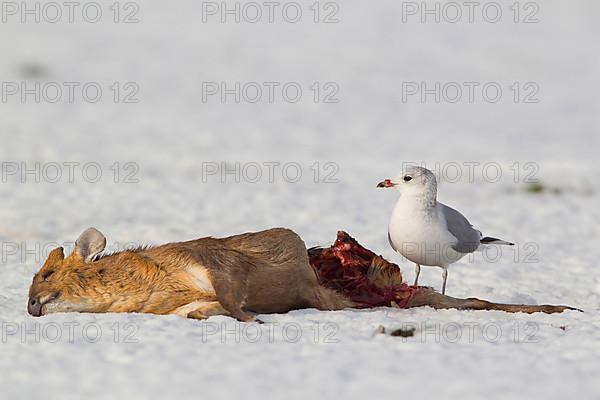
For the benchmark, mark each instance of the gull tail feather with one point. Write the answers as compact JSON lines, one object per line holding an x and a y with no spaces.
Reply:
{"x":491,"y":240}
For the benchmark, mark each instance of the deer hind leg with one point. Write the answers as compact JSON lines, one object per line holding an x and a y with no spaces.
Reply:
{"x":429,"y":297}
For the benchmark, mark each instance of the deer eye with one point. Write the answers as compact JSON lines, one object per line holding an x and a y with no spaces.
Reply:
{"x":47,"y":275}
{"x":407,"y":178}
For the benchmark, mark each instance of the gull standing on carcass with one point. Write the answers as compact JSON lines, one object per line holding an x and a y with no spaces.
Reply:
{"x":426,"y":231}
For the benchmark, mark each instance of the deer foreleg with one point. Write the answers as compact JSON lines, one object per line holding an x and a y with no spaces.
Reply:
{"x":208,"y":309}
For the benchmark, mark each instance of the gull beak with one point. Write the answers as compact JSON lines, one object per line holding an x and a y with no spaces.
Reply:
{"x":385,"y":184}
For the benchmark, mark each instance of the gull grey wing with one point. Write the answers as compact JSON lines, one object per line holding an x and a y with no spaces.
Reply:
{"x":468,"y":237}
{"x":391,"y":243}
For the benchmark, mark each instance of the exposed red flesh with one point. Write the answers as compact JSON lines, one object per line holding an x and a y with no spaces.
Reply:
{"x":344,"y":267}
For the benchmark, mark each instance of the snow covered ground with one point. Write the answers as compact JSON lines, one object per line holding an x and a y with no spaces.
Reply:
{"x":168,"y":144}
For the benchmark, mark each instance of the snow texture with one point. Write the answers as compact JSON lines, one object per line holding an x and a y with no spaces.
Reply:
{"x":172,"y":136}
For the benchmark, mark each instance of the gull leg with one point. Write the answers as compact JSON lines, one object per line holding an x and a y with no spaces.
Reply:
{"x":418,"y":271}
{"x":445,"y":276}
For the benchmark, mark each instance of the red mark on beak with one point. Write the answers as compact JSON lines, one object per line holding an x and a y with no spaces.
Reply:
{"x":385,"y":184}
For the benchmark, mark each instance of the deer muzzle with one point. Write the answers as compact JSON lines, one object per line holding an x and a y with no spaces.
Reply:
{"x":36,"y":305}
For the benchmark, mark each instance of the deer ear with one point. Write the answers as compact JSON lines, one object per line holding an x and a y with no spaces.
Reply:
{"x":55,"y":256}
{"x":89,"y":244}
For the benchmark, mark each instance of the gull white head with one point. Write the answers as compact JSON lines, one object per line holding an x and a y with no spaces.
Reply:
{"x":413,"y":180}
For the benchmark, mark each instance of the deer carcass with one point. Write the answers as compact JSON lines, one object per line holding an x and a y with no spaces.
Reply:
{"x":239,"y":276}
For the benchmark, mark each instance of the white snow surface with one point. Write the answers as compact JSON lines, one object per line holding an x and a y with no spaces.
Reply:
{"x":171,"y":132}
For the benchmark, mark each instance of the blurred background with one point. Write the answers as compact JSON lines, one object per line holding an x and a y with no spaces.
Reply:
{"x":158,"y":121}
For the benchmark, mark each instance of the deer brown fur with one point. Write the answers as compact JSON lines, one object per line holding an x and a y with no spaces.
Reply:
{"x":239,"y":276}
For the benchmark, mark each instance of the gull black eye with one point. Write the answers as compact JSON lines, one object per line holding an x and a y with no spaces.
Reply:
{"x":407,"y":178}
{"x":47,"y":275}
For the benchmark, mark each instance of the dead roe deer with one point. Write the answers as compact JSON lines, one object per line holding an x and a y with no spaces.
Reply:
{"x":239,"y":276}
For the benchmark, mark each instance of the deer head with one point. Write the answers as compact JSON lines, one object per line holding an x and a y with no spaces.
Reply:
{"x":64,"y":284}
